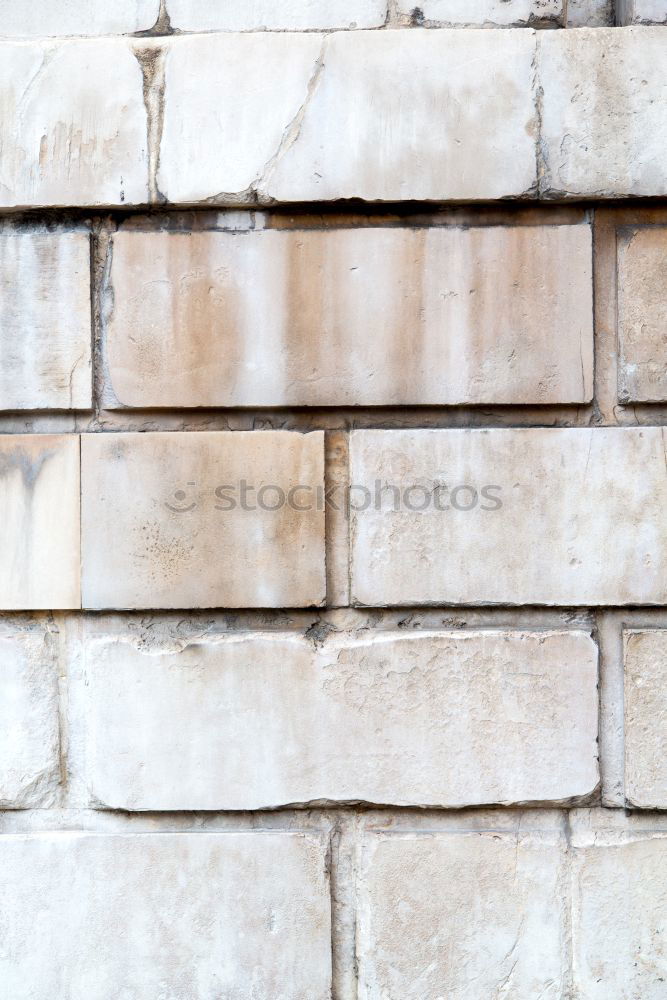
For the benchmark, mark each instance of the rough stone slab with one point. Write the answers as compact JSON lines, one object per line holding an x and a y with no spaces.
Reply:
{"x":301,"y":117}
{"x":483,"y":13}
{"x":41,"y":18}
{"x":351,"y":317}
{"x":590,"y":13}
{"x":72,"y":124}
{"x":646,"y":718}
{"x":604,"y":118}
{"x":449,"y":718}
{"x":642,"y":315}
{"x":461,"y":914}
{"x":641,"y":11}
{"x":39,"y":522}
{"x":156,"y":534}
{"x":29,"y":732}
{"x":243,"y":915}
{"x":288,"y":15}
{"x":531,"y":516}
{"x":45,"y":332}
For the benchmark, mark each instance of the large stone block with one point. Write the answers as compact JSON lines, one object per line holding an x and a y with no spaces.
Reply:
{"x":72,"y":124}
{"x":39,"y":522}
{"x":590,"y":13}
{"x":178,"y":915}
{"x":288,"y":15}
{"x":451,"y":718}
{"x":179,"y":520}
{"x":641,"y":11}
{"x":45,"y":330}
{"x":484,"y":13}
{"x":604,"y":120}
{"x":462,"y":913}
{"x":302,"y":117}
{"x":29,"y":731}
{"x":642,"y":315}
{"x":523,"y":516}
{"x":352,"y":317}
{"x":40,"y":18}
{"x":646,"y":718}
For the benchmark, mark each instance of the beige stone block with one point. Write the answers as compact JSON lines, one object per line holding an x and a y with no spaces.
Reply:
{"x":301,"y":117}
{"x":646,"y":718}
{"x":179,"y":520}
{"x":590,"y":13}
{"x":484,"y":13}
{"x":522,"y":516}
{"x":288,"y":15}
{"x":45,"y":325}
{"x":41,"y":18}
{"x":462,"y":914}
{"x":604,"y":122}
{"x":39,"y":522}
{"x":351,"y":317}
{"x":29,"y":731}
{"x":178,"y":915}
{"x":642,"y":11}
{"x":642,"y":314}
{"x":449,"y":718}
{"x":72,"y":124}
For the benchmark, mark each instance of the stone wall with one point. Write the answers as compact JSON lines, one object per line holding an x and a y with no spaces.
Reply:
{"x":333,"y":493}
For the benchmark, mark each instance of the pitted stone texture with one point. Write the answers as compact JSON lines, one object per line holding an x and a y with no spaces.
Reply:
{"x":462,"y":914}
{"x":642,"y":11}
{"x":243,"y":915}
{"x":619,"y":906}
{"x":352,"y":317}
{"x":590,"y":13}
{"x":39,"y":522}
{"x":288,"y":15}
{"x":41,"y":18}
{"x":45,"y":330}
{"x":308,"y":117}
{"x":604,"y":120}
{"x":646,"y":718}
{"x":72,"y":124}
{"x":29,"y":733}
{"x":452,"y":719}
{"x":167,"y":521}
{"x":484,"y":13}
{"x":642,"y":315}
{"x":523,"y":516}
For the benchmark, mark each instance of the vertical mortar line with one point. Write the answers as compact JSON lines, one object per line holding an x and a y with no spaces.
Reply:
{"x":604,"y":313}
{"x":58,"y":619}
{"x":344,"y":978}
{"x":568,"y":984}
{"x":151,"y":57}
{"x":612,"y":699}
{"x":337,"y":540}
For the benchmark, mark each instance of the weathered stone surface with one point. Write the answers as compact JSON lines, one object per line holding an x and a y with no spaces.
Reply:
{"x":243,"y":915}
{"x":450,"y":718}
{"x":590,"y":13}
{"x":642,"y":11}
{"x":462,"y":914}
{"x":352,"y":317}
{"x":45,"y":321}
{"x":523,"y":516}
{"x":288,"y":15}
{"x":642,"y":315}
{"x":488,"y":13}
{"x":301,"y":117}
{"x":41,"y":18}
{"x":646,"y":718}
{"x":72,"y":124}
{"x":619,"y":906}
{"x":39,"y":521}
{"x":179,"y":520}
{"x":604,"y":122}
{"x":29,"y":736}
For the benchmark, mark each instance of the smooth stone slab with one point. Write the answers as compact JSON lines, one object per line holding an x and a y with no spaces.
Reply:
{"x":40,"y":18}
{"x":288,"y":15}
{"x":646,"y":718}
{"x":642,"y":315}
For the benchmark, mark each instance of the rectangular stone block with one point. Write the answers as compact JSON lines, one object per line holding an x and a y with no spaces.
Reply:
{"x":590,"y":13}
{"x":443,"y":718}
{"x":179,"y":520}
{"x":483,"y":13}
{"x":72,"y":124}
{"x":45,"y":324}
{"x":76,"y":17}
{"x":642,"y":315}
{"x":618,"y":906}
{"x":462,"y":913}
{"x":243,"y":915}
{"x":288,"y":15}
{"x":642,"y":11}
{"x":604,"y":120}
{"x":646,"y":718}
{"x":303,"y":117}
{"x":39,"y":522}
{"x":522,"y":516}
{"x":352,"y":317}
{"x":29,"y":730}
